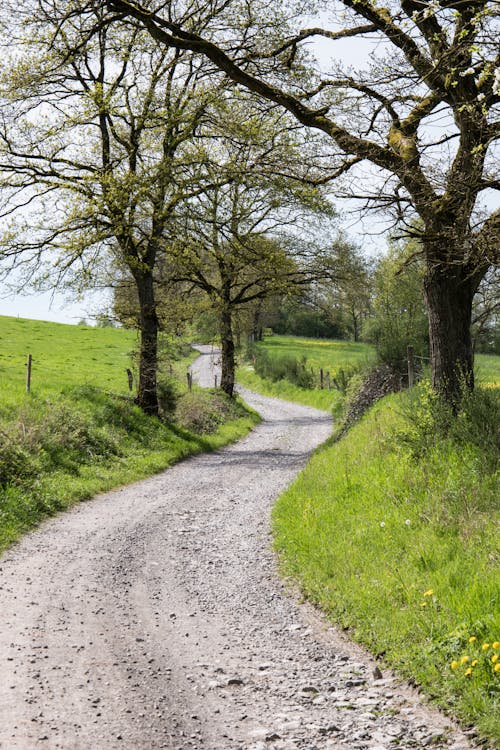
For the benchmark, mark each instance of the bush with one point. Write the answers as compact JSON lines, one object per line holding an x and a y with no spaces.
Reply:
{"x":283,"y":367}
{"x":203,"y":412}
{"x":348,"y":379}
{"x":430,"y":420}
{"x":168,"y":394}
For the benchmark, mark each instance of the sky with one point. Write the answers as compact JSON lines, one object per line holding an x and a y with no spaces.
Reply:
{"x":54,"y":308}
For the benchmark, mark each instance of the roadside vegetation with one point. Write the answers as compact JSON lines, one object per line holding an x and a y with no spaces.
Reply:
{"x":289,"y":367}
{"x":78,"y":431}
{"x":393,"y":532}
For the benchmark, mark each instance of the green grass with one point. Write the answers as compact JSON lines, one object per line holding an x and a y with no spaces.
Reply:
{"x":326,"y":400}
{"x":63,"y":355}
{"x":330,"y":355}
{"x":393,"y":531}
{"x":487,"y":368}
{"x":326,"y":353}
{"x":78,"y":432}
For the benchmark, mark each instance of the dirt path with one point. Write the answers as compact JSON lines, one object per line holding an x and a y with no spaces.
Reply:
{"x":152,"y":617}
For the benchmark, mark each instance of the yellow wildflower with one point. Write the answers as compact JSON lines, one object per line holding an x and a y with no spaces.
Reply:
{"x":494,"y":658}
{"x":485,"y":646}
{"x":468,"y":672}
{"x":454,"y":664}
{"x":423,"y":604}
{"x":496,"y":668}
{"x":496,"y":644}
{"x":475,"y":663}
{"x":464,"y":659}
{"x":472,"y":639}
{"x":429,"y":592}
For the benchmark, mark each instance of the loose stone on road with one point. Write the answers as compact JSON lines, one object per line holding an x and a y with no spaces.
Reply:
{"x":154,"y":617}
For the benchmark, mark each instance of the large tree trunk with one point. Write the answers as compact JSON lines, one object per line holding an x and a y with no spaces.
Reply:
{"x":449,"y":293}
{"x":227,"y":352}
{"x":147,"y":394}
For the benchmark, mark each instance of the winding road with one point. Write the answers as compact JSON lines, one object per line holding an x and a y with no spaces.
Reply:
{"x":153,"y":617}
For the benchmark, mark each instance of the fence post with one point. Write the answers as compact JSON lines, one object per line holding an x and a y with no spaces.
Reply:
{"x":215,"y":381}
{"x":328,"y":380}
{"x":190,"y":381}
{"x":411,"y":366}
{"x":321,"y":378}
{"x":28,"y":373}
{"x":130,"y":379}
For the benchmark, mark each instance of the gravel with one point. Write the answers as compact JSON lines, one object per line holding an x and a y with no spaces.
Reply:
{"x":154,"y":617}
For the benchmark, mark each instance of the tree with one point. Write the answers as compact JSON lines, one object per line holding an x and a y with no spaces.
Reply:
{"x":228,"y":247}
{"x":347,"y":301}
{"x":399,"y":314}
{"x":431,"y":63}
{"x":95,"y":148}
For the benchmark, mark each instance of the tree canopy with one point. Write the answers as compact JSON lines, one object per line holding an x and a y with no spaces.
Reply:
{"x":421,"y":109}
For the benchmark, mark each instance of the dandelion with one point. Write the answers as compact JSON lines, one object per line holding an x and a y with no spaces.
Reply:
{"x":468,"y":672}
{"x":428,"y":593}
{"x":474,"y":663}
{"x":494,"y":658}
{"x":464,"y":659}
{"x":496,"y":668}
{"x":496,"y":645}
{"x":407,"y":522}
{"x":485,"y":646}
{"x":472,"y":639}
{"x":382,"y":524}
{"x":423,"y":604}
{"x":454,"y":664}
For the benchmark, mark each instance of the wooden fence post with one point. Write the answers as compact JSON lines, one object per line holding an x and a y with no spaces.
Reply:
{"x":411,"y":366}
{"x":130,"y":379}
{"x":215,"y":381}
{"x":328,"y":379}
{"x":28,"y":373}
{"x":190,"y":381}
{"x":321,"y":378}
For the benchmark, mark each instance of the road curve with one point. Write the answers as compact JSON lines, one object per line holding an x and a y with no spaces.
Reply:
{"x":153,"y":617}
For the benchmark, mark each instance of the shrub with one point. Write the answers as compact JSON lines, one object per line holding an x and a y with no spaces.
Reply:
{"x":283,"y":367}
{"x":204,"y":411}
{"x":430,"y":419}
{"x":168,"y":393}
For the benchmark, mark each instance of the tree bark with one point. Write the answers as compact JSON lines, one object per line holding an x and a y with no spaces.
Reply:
{"x":227,"y":352}
{"x":449,"y":293}
{"x":147,"y":394}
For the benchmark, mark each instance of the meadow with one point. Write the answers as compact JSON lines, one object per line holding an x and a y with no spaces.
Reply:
{"x":334,"y":357}
{"x":393,"y":532}
{"x":338,"y":358}
{"x":78,"y":432}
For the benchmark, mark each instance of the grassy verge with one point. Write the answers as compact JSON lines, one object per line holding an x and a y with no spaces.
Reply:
{"x":328,"y":400}
{"x":71,"y":438}
{"x":66,"y":448}
{"x":393,"y":531}
{"x":337,"y":358}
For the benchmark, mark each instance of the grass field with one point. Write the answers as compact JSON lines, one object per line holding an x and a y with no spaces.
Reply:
{"x":329,"y":354}
{"x":487,"y":367}
{"x":78,"y":431}
{"x":333,"y":356}
{"x":393,"y":532}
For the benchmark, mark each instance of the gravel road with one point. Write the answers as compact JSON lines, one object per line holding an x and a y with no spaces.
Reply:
{"x":153,"y":617}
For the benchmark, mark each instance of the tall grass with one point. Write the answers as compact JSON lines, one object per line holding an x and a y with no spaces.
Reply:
{"x":393,"y":531}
